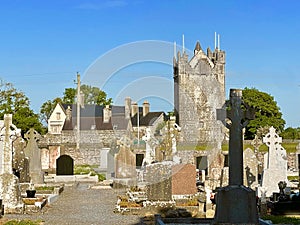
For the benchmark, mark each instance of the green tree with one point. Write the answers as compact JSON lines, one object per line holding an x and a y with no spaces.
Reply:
{"x":92,"y":95}
{"x":291,"y":133}
{"x":267,"y":113}
{"x":16,"y":103}
{"x":69,"y":96}
{"x":47,"y":108}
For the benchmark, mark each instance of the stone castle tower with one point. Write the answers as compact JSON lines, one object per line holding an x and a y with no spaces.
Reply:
{"x":199,"y":89}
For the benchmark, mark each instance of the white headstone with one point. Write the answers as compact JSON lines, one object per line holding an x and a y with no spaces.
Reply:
{"x":275,"y":168}
{"x":151,"y":143}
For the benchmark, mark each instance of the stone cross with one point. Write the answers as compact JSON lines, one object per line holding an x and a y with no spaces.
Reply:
{"x":236,"y":204}
{"x":256,"y":143}
{"x":8,"y":134}
{"x":239,"y":119}
{"x":272,"y":140}
{"x":32,"y":152}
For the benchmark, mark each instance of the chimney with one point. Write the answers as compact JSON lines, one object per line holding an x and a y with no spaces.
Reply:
{"x":106,"y":114}
{"x":68,"y":113}
{"x":134,"y":108}
{"x":127,"y":107}
{"x":146,"y":108}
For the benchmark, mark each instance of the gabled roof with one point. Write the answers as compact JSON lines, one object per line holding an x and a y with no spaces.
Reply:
{"x":146,"y":120}
{"x":94,"y":110}
{"x":91,"y":118}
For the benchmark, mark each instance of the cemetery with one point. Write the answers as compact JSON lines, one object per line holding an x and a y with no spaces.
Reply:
{"x":191,"y":168}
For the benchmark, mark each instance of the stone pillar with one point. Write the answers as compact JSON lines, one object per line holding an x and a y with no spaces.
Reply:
{"x":236,"y":203}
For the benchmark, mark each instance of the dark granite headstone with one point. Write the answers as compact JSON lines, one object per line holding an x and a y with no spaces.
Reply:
{"x":65,"y":165}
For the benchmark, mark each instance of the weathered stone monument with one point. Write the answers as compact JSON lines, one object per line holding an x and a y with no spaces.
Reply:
{"x":275,"y":163}
{"x":9,"y":183}
{"x":250,"y":169}
{"x":33,"y":153}
{"x":110,"y":171}
{"x":236,"y":203}
{"x":151,"y":143}
{"x":158,"y":178}
{"x":20,"y":162}
{"x":125,"y":167}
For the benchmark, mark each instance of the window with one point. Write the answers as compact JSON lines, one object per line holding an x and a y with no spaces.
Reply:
{"x":58,"y":116}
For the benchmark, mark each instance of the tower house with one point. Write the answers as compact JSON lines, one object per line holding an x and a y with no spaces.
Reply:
{"x":199,"y":89}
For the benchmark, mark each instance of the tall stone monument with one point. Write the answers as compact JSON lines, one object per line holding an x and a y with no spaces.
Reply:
{"x":275,"y":163}
{"x":236,"y":204}
{"x":33,"y":153}
{"x":9,"y":183}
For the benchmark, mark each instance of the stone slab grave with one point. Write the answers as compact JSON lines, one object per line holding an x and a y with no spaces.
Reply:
{"x":9,"y":183}
{"x":166,"y":179}
{"x":33,"y":153}
{"x":159,"y":183}
{"x":250,"y":169}
{"x":275,"y":164}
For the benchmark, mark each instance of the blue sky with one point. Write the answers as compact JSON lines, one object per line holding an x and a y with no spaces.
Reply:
{"x":44,"y":43}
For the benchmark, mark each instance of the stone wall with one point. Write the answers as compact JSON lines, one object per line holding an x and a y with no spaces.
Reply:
{"x":90,"y":145}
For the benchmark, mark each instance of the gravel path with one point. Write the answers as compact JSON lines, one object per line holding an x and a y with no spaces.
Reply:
{"x":81,"y":204}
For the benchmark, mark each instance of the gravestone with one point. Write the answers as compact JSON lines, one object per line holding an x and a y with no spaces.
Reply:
{"x":125,"y":163}
{"x":184,"y":179}
{"x":54,"y":153}
{"x":215,"y":169}
{"x":33,"y":153}
{"x":20,"y":162}
{"x":110,"y":173}
{"x":125,"y":172}
{"x":9,"y":183}
{"x":65,"y":165}
{"x":275,"y":163}
{"x":45,"y":158}
{"x":151,"y":143}
{"x":103,"y":159}
{"x":236,"y":204}
{"x":158,"y":179}
{"x":250,"y":169}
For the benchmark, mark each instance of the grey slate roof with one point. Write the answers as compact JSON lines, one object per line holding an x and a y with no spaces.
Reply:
{"x":147,"y":120}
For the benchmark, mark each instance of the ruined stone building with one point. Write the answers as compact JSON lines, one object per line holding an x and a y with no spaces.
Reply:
{"x":199,"y":89}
